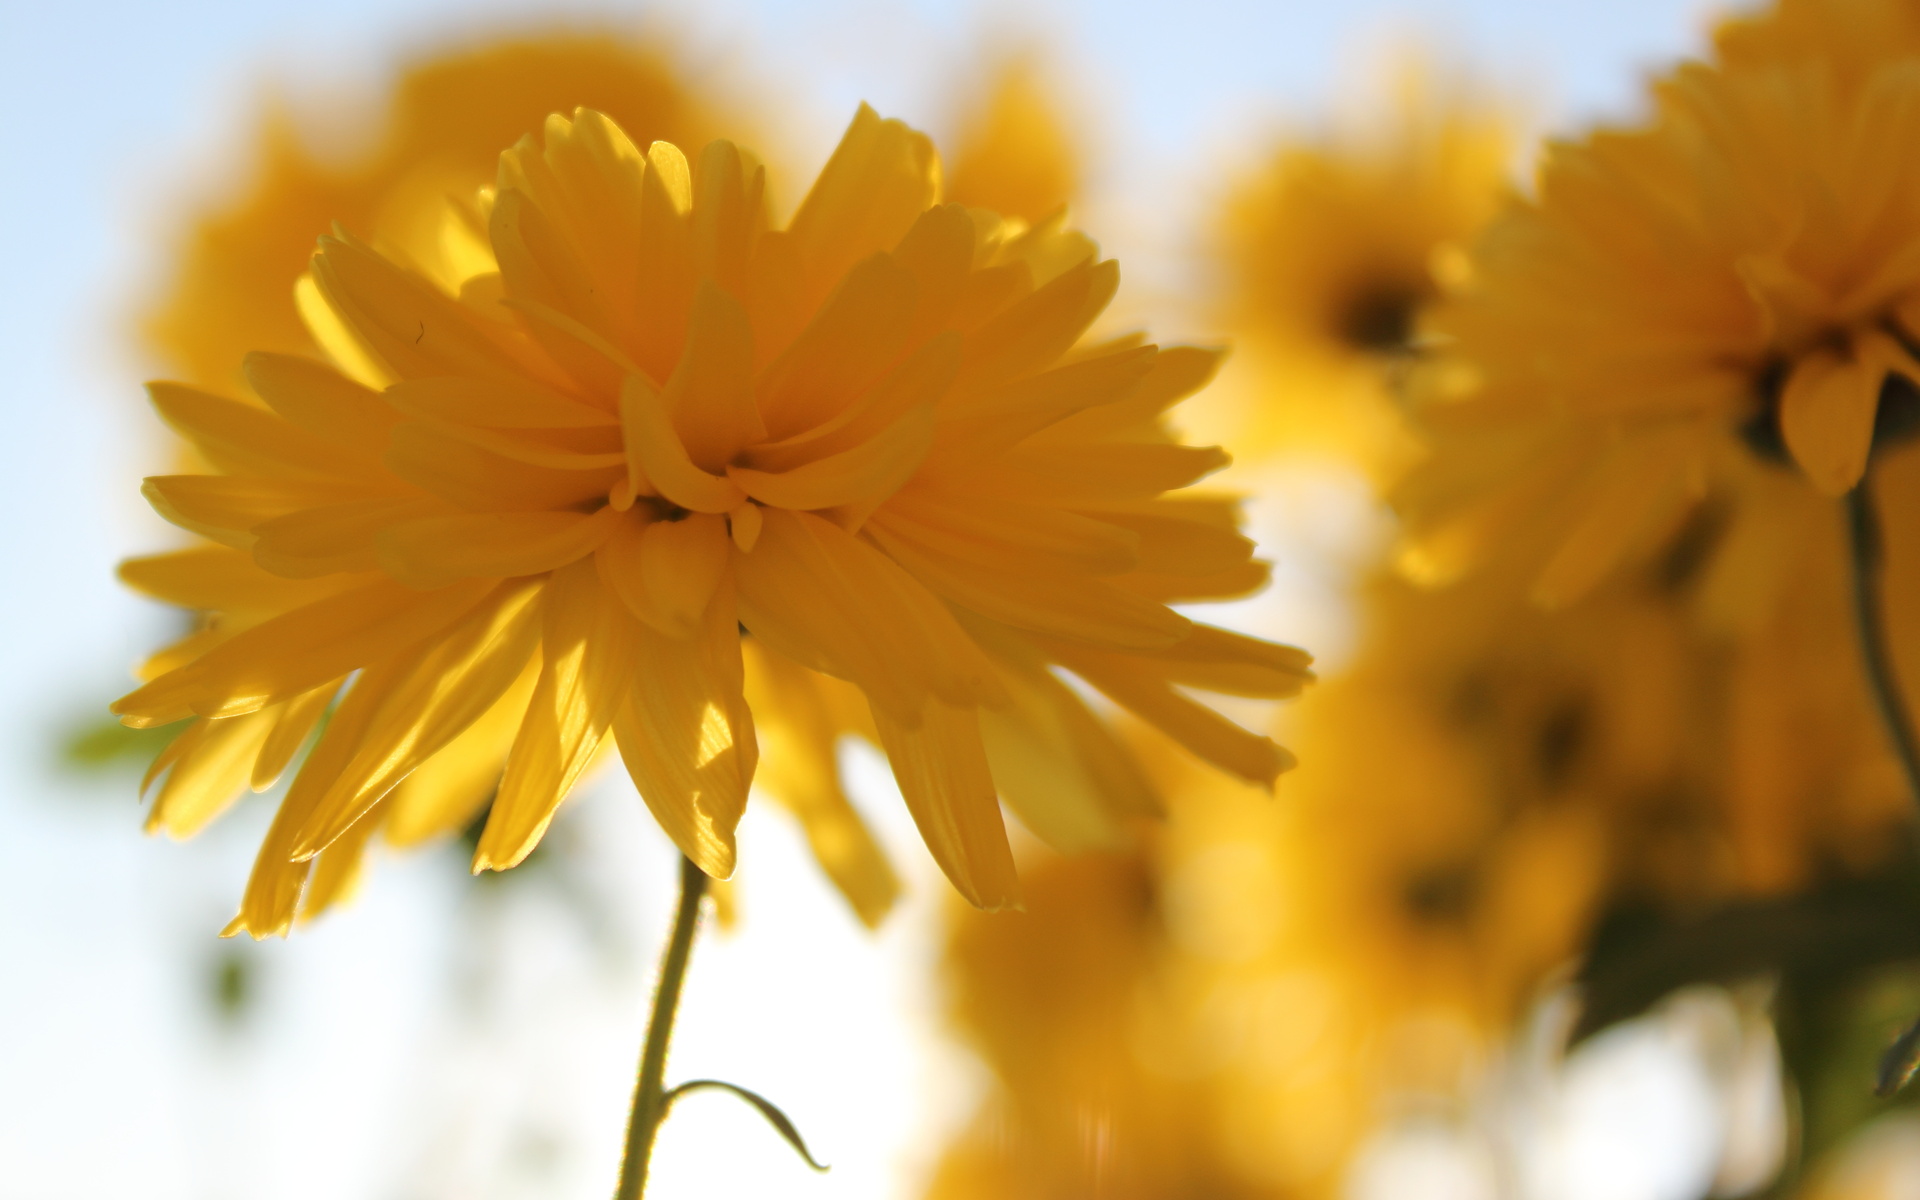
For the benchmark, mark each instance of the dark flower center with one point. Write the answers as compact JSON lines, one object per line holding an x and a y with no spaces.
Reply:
{"x":1378,"y":317}
{"x":1442,"y":894}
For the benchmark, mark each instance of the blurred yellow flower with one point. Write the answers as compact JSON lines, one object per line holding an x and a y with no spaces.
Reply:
{"x":1015,"y":154}
{"x":438,"y":134}
{"x":1327,"y":254}
{"x":1237,"y":1011}
{"x":1674,"y":357}
{"x":1853,"y":38}
{"x":1734,"y":284}
{"x":1064,"y":1004}
{"x":617,"y":420}
{"x":1297,"y":976}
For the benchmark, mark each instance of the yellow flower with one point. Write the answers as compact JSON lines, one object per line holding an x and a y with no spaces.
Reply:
{"x":1326,"y":255}
{"x":1065,"y":1007}
{"x":1308,"y":970}
{"x":1297,"y":974}
{"x":439,"y":133}
{"x":623,"y":420}
{"x":445,"y":119}
{"x":1239,"y":1010}
{"x":1015,"y":154}
{"x":1735,"y":285}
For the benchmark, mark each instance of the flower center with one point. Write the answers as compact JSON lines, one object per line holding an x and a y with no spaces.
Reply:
{"x":1378,"y":316}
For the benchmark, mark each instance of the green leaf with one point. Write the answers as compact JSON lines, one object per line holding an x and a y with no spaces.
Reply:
{"x":101,"y":743}
{"x":767,"y":1108}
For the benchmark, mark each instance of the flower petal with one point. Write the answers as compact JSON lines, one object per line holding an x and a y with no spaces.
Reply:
{"x":409,"y":327}
{"x":572,"y":239}
{"x":1140,"y":687}
{"x":1027,"y":596}
{"x":493,"y":403}
{"x":331,"y":538}
{"x":1232,"y":664}
{"x":330,"y":331}
{"x":589,"y":649}
{"x":666,"y":257}
{"x":446,"y":686}
{"x":1180,"y":535}
{"x":336,"y":873}
{"x":921,"y":380}
{"x":434,"y":551}
{"x":850,"y":344}
{"x":1036,"y":331}
{"x":300,"y":650}
{"x":666,"y":572}
{"x":656,"y":456}
{"x":833,"y":602}
{"x":1010,"y":535}
{"x":1628,"y":488}
{"x":1067,"y":777}
{"x":1826,"y":418}
{"x":687,"y":737}
{"x":986,"y":421}
{"x":297,"y":718}
{"x":321,"y":401}
{"x":241,"y":439}
{"x":729,"y":193}
{"x":208,"y":769}
{"x":440,"y":460}
{"x":743,"y":525}
{"x":273,"y":890}
{"x":941,"y":767}
{"x":543,"y":275}
{"x":799,"y":718}
{"x":864,"y":475}
{"x":226,"y":508}
{"x":219,"y":579}
{"x":711,"y":392}
{"x":881,"y":177}
{"x":443,"y":794}
{"x":1178,"y":372}
{"x":1091,"y":475}
{"x":938,"y":250}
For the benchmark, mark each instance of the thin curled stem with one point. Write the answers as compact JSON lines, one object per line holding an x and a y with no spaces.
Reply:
{"x":650,"y":1101}
{"x":1869,"y":611}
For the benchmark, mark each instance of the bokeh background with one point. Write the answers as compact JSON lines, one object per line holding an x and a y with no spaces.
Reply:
{"x":450,"y":1037}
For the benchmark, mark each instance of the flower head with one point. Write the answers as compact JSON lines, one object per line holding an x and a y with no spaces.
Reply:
{"x":625,"y":423}
{"x":1330,"y":250}
{"x":1734,"y":286}
{"x":438,"y":134}
{"x":233,"y":290}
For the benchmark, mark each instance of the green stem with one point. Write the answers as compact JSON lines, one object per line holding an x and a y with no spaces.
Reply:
{"x":1869,"y":611}
{"x":649,"y":1090}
